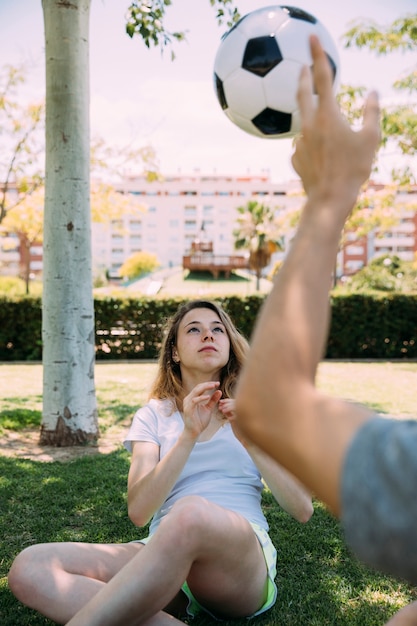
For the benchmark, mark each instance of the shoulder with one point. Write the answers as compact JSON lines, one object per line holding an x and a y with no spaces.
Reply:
{"x":155,"y":410}
{"x":159,"y":408}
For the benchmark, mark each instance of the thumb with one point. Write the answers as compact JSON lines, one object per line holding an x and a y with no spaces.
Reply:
{"x":214,"y":399}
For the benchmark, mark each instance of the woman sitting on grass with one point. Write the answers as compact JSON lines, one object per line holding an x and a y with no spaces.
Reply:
{"x":208,"y":546}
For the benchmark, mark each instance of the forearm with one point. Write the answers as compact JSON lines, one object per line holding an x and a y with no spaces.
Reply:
{"x":295,"y":319}
{"x":278,"y":407}
{"x":291,"y":331}
{"x":290,"y":494}
{"x":147,"y":492}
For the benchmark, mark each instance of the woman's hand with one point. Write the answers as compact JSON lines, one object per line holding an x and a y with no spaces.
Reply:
{"x":198,"y":407}
{"x":227,"y":406}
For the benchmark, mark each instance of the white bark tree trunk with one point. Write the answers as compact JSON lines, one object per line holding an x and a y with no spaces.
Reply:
{"x":69,"y":399}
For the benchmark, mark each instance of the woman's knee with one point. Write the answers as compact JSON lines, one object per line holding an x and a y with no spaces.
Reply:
{"x":188,"y":518}
{"x":26,"y":571}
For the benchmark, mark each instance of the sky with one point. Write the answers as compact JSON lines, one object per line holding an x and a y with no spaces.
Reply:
{"x":140,"y":97}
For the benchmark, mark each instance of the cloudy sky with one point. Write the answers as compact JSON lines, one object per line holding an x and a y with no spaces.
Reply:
{"x":141,"y":96}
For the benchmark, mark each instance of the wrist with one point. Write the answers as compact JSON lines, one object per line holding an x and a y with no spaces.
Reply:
{"x":325,"y":215}
{"x":188,"y":438}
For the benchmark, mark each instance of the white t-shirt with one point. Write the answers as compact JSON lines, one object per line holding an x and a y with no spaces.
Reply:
{"x":219,"y":470}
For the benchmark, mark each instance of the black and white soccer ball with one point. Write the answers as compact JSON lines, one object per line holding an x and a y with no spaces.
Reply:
{"x":257,"y":68}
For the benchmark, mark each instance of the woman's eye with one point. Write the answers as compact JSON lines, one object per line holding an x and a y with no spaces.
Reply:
{"x":218,"y":329}
{"x":192,"y":329}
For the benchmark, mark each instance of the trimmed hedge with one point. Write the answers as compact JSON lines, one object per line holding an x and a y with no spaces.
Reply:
{"x":370,"y":327}
{"x":362,"y":326}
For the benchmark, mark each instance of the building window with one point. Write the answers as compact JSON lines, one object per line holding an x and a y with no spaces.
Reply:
{"x":353,"y":266}
{"x":354,"y":250}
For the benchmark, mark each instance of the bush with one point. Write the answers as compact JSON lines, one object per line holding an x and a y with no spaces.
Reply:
{"x":387,"y":273}
{"x":363,"y":326}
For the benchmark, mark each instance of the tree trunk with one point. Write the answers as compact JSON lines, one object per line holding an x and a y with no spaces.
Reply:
{"x":69,"y":399}
{"x":258,"y":259}
{"x":25,"y":260}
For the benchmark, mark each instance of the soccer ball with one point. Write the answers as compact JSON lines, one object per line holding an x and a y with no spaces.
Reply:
{"x":257,"y":68}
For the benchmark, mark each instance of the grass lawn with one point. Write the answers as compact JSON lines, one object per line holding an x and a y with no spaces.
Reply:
{"x":319,"y":581}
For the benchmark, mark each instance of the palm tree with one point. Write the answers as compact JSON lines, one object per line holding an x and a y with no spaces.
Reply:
{"x":258,"y":232}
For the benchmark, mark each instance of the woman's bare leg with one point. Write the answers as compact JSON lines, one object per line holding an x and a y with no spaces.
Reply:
{"x":58,"y":579}
{"x":406,"y":617}
{"x":214,"y":549}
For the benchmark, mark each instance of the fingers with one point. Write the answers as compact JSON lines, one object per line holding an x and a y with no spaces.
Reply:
{"x":371,"y":117}
{"x":320,"y":80}
{"x":227,"y":407}
{"x":214,"y":399}
{"x":201,"y":395}
{"x":322,"y":73}
{"x":305,"y":95}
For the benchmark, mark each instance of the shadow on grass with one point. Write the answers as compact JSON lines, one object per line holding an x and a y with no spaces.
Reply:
{"x":115,"y":413}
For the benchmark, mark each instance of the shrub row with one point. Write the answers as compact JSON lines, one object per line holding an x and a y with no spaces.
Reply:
{"x":362,"y":326}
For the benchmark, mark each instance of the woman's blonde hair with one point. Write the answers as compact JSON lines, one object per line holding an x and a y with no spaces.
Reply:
{"x":168,"y":382}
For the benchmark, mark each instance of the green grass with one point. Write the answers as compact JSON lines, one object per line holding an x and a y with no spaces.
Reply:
{"x":319,"y":581}
{"x":179,"y":283}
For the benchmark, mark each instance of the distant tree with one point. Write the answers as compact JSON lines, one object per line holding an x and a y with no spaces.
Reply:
{"x":138,"y":264}
{"x":21,"y":128}
{"x":146,"y":19}
{"x":258,"y":232}
{"x":399,"y":121}
{"x":385,"y":273}
{"x":27,"y":218}
{"x":26,"y":221}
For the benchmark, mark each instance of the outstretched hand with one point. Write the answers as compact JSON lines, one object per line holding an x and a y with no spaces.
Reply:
{"x":332,"y":160}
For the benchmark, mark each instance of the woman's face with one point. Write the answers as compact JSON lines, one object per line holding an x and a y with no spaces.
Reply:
{"x":202,"y":342}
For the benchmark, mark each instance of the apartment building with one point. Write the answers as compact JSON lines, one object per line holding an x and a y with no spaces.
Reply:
{"x":10,"y":255}
{"x":400,"y":239}
{"x":180,"y":209}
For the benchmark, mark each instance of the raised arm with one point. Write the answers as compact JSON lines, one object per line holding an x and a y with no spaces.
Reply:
{"x":278,"y":406}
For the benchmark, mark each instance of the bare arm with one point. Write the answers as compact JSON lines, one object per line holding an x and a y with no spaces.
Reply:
{"x":290,"y":494}
{"x":151,"y":479}
{"x":278,"y":406}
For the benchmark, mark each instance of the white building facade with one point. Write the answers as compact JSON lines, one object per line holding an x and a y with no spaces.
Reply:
{"x":180,"y":209}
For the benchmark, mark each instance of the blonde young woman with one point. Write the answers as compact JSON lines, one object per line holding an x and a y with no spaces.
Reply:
{"x":191,"y":474}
